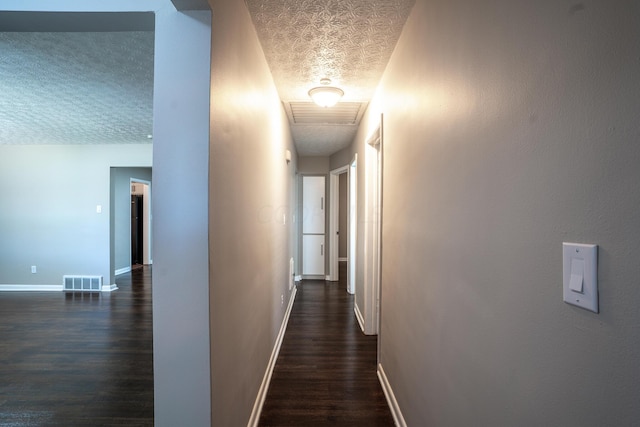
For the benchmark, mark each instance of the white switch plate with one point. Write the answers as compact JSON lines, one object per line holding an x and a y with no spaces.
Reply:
{"x":580,"y":260}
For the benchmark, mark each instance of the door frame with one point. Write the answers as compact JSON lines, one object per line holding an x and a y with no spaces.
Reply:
{"x":147,"y":257}
{"x":334,"y":221}
{"x":352,"y":222}
{"x":373,"y":231}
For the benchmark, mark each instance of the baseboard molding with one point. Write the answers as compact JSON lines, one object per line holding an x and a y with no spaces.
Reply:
{"x":264,"y":387}
{"x":391,"y":398}
{"x":109,"y":288}
{"x":122,"y":270}
{"x":343,"y":259}
{"x":30,"y":288}
{"x":298,"y":278}
{"x":359,"y":316}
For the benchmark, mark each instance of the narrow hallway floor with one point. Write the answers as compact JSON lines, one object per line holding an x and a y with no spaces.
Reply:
{"x":326,"y":370}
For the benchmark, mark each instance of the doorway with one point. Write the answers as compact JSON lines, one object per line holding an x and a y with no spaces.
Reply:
{"x":137,"y":234}
{"x":353,"y":223}
{"x":372,"y":231}
{"x":337,"y":224}
{"x":140,"y":223}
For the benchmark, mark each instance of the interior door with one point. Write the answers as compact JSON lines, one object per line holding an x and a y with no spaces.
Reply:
{"x":313,"y":225}
{"x":313,"y":254}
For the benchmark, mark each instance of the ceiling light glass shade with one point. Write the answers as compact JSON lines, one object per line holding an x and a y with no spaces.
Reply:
{"x":326,"y":96}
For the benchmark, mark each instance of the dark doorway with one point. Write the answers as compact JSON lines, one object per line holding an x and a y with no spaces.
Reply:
{"x":136,"y":230}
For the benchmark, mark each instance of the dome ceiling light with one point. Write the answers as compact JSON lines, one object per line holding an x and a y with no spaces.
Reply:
{"x":326,"y":96}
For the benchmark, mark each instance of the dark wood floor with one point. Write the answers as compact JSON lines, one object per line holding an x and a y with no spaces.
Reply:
{"x":326,"y":371}
{"x":78,"y":359}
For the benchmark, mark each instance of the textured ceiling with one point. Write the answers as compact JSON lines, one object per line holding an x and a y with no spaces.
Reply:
{"x":348,"y":41}
{"x":97,"y":87}
{"x":76,"y":87}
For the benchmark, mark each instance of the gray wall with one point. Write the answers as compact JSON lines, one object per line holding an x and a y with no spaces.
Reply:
{"x":180,"y":206}
{"x":49,"y":196}
{"x":511,"y":127}
{"x":252,"y":187}
{"x":121,"y":212}
{"x":313,"y":166}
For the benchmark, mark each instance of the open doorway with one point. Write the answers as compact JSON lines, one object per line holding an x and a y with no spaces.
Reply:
{"x":140,"y":223}
{"x":353,"y":222}
{"x":338,"y":209}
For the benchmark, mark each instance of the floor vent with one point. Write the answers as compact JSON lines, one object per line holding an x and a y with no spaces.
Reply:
{"x":82,"y":283}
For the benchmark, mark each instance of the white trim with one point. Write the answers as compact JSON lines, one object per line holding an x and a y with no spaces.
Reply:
{"x":372,"y":231}
{"x":391,"y":398}
{"x":264,"y":387}
{"x":109,"y":288}
{"x":352,"y":224}
{"x":334,"y":239}
{"x":342,"y":259}
{"x":298,"y":278}
{"x":122,"y":271}
{"x":359,"y":317}
{"x":30,"y":288}
{"x":328,"y":279}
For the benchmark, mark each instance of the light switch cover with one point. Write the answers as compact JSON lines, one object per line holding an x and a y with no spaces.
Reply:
{"x":580,"y":275}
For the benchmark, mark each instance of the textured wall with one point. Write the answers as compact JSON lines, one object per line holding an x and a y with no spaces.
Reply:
{"x":251,"y":188}
{"x":511,"y":127}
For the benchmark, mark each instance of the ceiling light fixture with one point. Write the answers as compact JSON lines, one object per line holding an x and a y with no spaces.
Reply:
{"x":326,"y":96}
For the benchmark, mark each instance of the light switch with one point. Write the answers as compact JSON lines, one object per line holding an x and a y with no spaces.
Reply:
{"x":580,"y":275}
{"x":577,"y":275}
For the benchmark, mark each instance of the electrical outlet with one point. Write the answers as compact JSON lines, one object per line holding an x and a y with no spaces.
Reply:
{"x":281,"y":300}
{"x":34,"y":270}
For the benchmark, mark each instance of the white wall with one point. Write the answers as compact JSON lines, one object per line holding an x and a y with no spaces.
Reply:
{"x":251,"y":187}
{"x":49,"y":196}
{"x":511,"y":127}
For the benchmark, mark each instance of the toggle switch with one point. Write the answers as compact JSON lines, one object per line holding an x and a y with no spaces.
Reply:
{"x":580,"y":275}
{"x":577,"y":275}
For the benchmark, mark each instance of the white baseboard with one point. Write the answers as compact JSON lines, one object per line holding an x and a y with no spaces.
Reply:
{"x":109,"y":288}
{"x":343,"y":259}
{"x":122,"y":270}
{"x":30,"y":288}
{"x":264,"y":387}
{"x":391,"y":398}
{"x":359,"y":316}
{"x":298,"y":278}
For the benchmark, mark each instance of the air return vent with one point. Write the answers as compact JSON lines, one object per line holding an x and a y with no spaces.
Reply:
{"x":82,"y":283}
{"x":308,"y":113}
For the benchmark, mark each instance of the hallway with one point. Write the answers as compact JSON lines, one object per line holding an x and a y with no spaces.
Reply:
{"x":326,"y":370}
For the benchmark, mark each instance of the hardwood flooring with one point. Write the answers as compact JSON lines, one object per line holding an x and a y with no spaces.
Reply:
{"x":85,"y":359}
{"x":78,"y":359}
{"x":326,"y":370}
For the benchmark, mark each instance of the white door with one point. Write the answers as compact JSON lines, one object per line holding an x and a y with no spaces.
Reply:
{"x":313,"y":204}
{"x":313,"y":254}
{"x":313,"y":219}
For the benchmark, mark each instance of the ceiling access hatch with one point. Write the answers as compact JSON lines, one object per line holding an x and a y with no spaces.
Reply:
{"x":308,"y":113}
